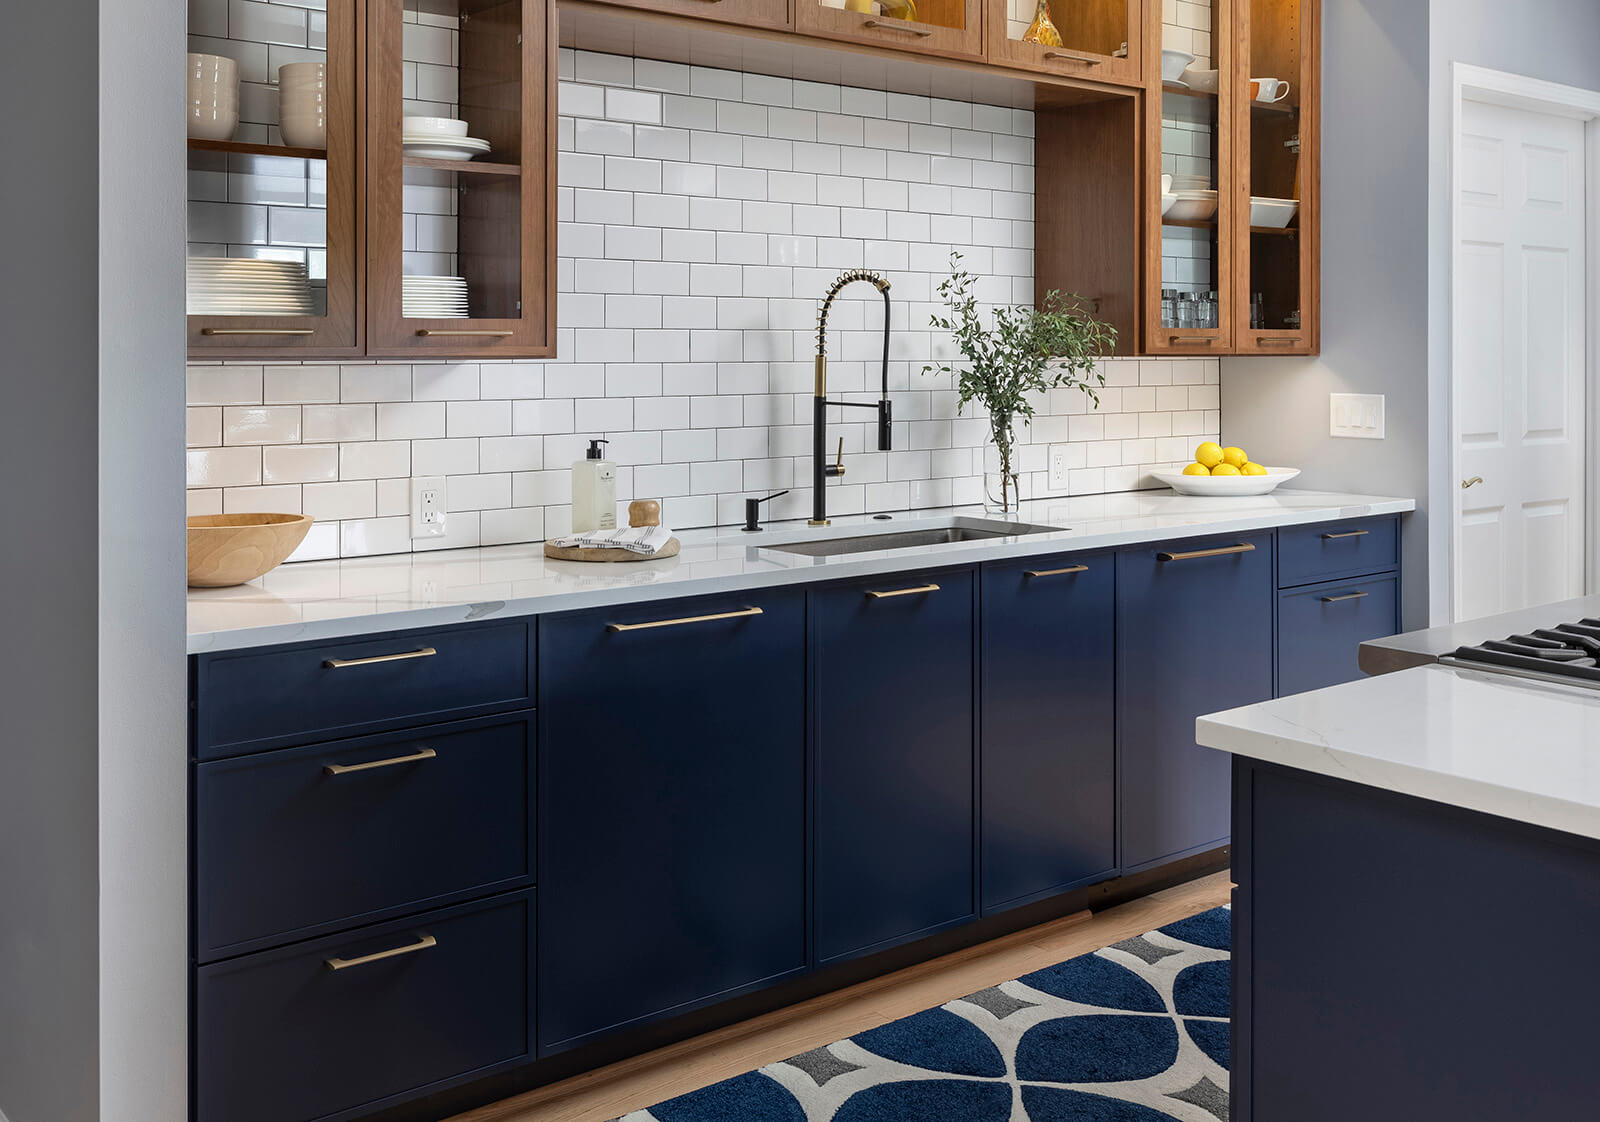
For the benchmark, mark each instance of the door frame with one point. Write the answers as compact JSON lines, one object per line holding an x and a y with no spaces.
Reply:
{"x":1516,"y":91}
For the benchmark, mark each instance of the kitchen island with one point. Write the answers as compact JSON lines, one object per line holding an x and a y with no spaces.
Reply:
{"x":1417,"y":858}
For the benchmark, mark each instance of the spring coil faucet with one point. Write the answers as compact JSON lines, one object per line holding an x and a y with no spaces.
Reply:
{"x":821,"y":471}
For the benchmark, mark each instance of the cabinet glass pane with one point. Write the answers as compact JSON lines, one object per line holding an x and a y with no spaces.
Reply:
{"x":1275,"y":164}
{"x":461,"y":122}
{"x":1191,"y":129}
{"x":1096,"y":27}
{"x":259,"y":82}
{"x":934,"y":13}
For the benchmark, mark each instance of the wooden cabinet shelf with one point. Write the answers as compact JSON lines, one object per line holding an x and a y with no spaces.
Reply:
{"x":463,"y":167}
{"x":247,"y":148}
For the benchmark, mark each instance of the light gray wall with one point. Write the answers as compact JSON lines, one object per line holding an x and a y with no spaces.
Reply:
{"x":1554,"y":40}
{"x":1374,"y":280}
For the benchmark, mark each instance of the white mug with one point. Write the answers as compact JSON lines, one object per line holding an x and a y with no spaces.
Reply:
{"x":1269,"y":90}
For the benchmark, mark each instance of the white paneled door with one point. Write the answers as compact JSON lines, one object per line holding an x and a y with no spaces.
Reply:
{"x":1519,"y":359}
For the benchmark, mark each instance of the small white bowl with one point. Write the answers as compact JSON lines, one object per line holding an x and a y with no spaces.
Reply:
{"x":1192,"y":206}
{"x":1201,"y":81}
{"x":433,"y":126}
{"x":1167,"y":203}
{"x":1272,"y":214}
{"x":1173,"y":64}
{"x":1222,"y":486}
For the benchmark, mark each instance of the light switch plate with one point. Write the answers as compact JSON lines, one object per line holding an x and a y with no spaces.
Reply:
{"x":427,"y":507}
{"x":1358,"y":415}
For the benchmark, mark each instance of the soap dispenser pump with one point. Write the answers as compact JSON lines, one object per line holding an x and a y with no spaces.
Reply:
{"x":594,"y":491}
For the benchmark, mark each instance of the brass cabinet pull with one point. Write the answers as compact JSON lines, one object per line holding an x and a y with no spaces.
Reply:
{"x":1276,"y":341}
{"x":429,"y":333}
{"x":875,"y":595}
{"x":1056,"y":572}
{"x":346,"y":769}
{"x":878,"y":25}
{"x":403,"y":656}
{"x":740,"y":614}
{"x":1476,"y":479}
{"x":257,"y":331}
{"x":1184,"y":340}
{"x":1074,"y":58}
{"x":1346,"y":534}
{"x":1190,"y":556}
{"x":1348,"y":596}
{"x":421,"y":944}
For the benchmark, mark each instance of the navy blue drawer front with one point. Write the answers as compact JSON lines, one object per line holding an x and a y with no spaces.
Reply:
{"x":303,"y":840}
{"x":339,"y":1027}
{"x":252,"y":700}
{"x":1320,"y":629}
{"x":1335,"y":550}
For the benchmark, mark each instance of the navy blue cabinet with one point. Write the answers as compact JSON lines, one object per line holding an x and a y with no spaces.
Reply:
{"x":1321,"y":626}
{"x":892,"y":663}
{"x":1048,"y":740}
{"x":672,"y":779}
{"x":1194,"y":630}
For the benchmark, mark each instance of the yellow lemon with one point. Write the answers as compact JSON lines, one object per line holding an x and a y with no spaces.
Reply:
{"x":1235,"y":456}
{"x":1208,"y":454}
{"x":1197,"y":469}
{"x":1252,"y":469}
{"x":1225,"y":469}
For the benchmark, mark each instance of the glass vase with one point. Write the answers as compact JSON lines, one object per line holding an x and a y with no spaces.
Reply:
{"x":1002,"y":474}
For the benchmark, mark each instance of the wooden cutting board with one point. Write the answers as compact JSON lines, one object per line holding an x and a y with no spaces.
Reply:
{"x":575,"y":553}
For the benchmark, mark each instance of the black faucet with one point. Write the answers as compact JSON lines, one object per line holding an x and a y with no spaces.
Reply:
{"x":821,"y":471}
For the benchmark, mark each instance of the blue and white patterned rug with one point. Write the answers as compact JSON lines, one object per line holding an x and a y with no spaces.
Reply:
{"x":1135,"y":1032}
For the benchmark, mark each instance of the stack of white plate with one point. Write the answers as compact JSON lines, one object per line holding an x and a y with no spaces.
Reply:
{"x":433,"y":297}
{"x":247,"y":286}
{"x":440,"y":138}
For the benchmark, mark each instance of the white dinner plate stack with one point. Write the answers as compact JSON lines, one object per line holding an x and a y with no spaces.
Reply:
{"x":249,"y":286}
{"x":433,"y":297}
{"x":440,"y":138}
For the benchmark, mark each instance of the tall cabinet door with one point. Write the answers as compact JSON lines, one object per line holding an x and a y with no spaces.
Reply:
{"x":461,"y":231}
{"x":1194,"y":625}
{"x":892,"y":662}
{"x":1047,"y":737}
{"x":672,"y":808}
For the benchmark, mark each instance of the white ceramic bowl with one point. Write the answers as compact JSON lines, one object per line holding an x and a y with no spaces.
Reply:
{"x":1223,"y":486}
{"x":1275,"y":214}
{"x":1173,"y":64}
{"x":433,"y":126}
{"x":1168,"y":201}
{"x":213,"y":122}
{"x":1192,"y":206}
{"x":304,"y":132}
{"x":1202,"y":81}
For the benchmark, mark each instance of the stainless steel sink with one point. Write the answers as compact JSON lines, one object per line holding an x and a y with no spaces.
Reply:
{"x":958,"y":530}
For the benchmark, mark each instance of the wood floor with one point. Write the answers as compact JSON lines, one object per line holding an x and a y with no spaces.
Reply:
{"x":633,"y":1084}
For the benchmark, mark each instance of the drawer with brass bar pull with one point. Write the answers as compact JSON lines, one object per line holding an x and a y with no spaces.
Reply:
{"x":271,"y":697}
{"x":1322,"y":626}
{"x":301,"y":841}
{"x":1337,"y":550}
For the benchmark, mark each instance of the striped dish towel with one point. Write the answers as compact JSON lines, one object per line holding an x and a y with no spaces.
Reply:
{"x":635,"y":539}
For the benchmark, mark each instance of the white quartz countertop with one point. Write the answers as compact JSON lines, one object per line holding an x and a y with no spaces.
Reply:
{"x":333,"y":599}
{"x":1506,"y":746}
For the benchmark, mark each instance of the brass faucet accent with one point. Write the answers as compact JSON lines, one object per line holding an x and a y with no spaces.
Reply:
{"x":821,"y":471}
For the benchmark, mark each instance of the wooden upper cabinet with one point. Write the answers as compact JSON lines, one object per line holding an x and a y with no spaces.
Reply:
{"x":745,"y":13}
{"x":275,"y":228}
{"x":1101,"y":40}
{"x":441,"y":226}
{"x":952,"y":28}
{"x":1277,"y":94}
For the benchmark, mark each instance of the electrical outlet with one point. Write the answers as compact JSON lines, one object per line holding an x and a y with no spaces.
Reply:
{"x":428,"y":508}
{"x":1358,"y":415}
{"x":1058,"y":468}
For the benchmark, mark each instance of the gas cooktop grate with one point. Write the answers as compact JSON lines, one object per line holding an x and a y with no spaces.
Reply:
{"x":1568,"y":651}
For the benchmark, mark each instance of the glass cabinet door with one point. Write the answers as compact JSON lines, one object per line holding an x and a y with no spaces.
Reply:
{"x":273,"y":241}
{"x":1096,"y":39}
{"x":943,"y":27}
{"x":1190,"y":257}
{"x":461,"y":199}
{"x":1277,"y":96}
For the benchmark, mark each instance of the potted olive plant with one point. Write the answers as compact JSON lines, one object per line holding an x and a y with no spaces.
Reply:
{"x":1025,"y":350}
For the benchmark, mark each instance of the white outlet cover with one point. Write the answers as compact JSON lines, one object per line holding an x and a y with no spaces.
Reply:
{"x":1356,"y":415}
{"x":428,"y":505}
{"x":1058,"y":468}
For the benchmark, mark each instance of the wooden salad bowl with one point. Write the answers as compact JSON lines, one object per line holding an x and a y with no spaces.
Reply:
{"x":230,"y":549}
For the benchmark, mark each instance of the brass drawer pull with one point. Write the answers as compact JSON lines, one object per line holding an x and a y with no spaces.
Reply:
{"x":257,"y":331}
{"x":1277,"y":341}
{"x":1346,"y":534}
{"x":741,"y":614}
{"x":403,"y":656}
{"x":1056,"y":572}
{"x":1185,"y":341}
{"x":1074,"y":58}
{"x":1222,"y":552}
{"x":921,"y":588}
{"x":346,"y":769}
{"x":429,"y":333}
{"x":878,"y":25}
{"x":421,"y":944}
{"x":1348,"y":596}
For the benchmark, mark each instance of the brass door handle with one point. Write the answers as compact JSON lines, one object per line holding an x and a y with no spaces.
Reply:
{"x":1346,"y":534}
{"x":1276,"y":341}
{"x":421,"y":944}
{"x":1073,"y":58}
{"x":429,"y":333}
{"x":921,"y":588}
{"x":1193,"y":554}
{"x":1184,"y":340}
{"x":741,"y":614}
{"x":1465,"y":483}
{"x":1347,"y":596}
{"x":415,"y":757}
{"x":1056,"y":572}
{"x":403,"y":656}
{"x":258,"y":331}
{"x":879,"y":25}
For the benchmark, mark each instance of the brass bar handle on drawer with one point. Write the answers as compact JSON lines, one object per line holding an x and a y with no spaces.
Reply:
{"x":346,"y":769}
{"x":876,"y":595}
{"x":429,"y":333}
{"x":740,"y":614}
{"x":421,"y":944}
{"x":1347,"y":596}
{"x":879,"y":25}
{"x":1073,"y":58}
{"x":1185,"y":341}
{"x":1056,"y":572}
{"x":1193,"y":554}
{"x":1346,"y":534}
{"x":257,"y":331}
{"x":341,"y":663}
{"x":1278,"y":341}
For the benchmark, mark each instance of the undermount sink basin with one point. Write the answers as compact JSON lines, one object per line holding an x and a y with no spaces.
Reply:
{"x":957,"y":530}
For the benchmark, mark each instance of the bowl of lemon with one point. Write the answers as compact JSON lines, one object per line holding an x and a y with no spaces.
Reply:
{"x":1225,"y":471}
